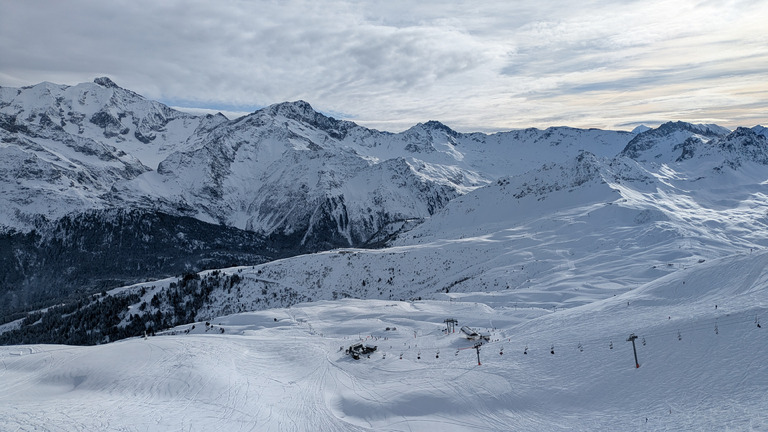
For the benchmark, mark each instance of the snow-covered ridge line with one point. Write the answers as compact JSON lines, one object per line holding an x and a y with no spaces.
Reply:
{"x":222,"y":171}
{"x":513,"y":209}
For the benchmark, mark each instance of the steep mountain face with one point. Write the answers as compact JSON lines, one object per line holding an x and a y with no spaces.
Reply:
{"x":288,"y":171}
{"x":48,"y":173}
{"x":63,"y":148}
{"x":283,"y":171}
{"x":668,"y":142}
{"x":761,"y":130}
{"x":744,"y":146}
{"x":106,"y":113}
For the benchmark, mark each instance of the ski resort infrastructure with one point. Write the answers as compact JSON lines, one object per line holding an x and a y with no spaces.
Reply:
{"x":701,"y":368}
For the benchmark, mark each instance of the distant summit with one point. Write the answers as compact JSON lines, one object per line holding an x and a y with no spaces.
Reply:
{"x":105,"y":82}
{"x":665,"y":142}
{"x":640,"y":129}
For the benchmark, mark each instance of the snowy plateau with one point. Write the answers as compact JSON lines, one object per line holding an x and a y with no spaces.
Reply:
{"x":617,"y":280}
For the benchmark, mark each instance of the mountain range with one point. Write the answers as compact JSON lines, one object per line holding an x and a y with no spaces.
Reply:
{"x":104,"y":188}
{"x":161,"y":270}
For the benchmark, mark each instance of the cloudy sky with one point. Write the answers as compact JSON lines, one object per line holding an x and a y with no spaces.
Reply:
{"x":476,"y":66}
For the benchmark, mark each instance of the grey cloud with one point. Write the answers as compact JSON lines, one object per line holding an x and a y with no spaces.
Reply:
{"x":389,"y":63}
{"x":657,"y":78}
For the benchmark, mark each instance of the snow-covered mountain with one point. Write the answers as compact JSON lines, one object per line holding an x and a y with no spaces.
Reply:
{"x":302,"y":181}
{"x":666,"y":140}
{"x":528,"y":210}
{"x":564,"y":233}
{"x":588,"y":225}
{"x":597,"y":226}
{"x":104,"y":112}
{"x":559,"y":243}
{"x":284,"y":170}
{"x":291,"y":171}
{"x":64,"y":147}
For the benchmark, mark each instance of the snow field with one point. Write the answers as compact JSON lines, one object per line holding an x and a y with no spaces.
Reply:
{"x":285,"y":369}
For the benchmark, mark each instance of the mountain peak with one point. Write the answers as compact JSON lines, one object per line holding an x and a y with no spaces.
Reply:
{"x":436,"y":125}
{"x":745,"y":144}
{"x":667,"y":139}
{"x":640,"y":129}
{"x":761,"y":130}
{"x":105,"y":82}
{"x":433,"y":125}
{"x":742,"y":131}
{"x":296,"y":110}
{"x":704,"y":129}
{"x":302,"y":112}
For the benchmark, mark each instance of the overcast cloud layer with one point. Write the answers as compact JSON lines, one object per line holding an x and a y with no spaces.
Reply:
{"x":476,"y":66}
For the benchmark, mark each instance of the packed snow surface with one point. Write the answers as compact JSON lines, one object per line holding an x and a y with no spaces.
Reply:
{"x":699,"y":346}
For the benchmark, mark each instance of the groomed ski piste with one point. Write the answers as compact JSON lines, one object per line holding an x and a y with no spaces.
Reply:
{"x":701,"y":346}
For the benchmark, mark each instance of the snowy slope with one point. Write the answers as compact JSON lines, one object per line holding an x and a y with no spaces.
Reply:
{"x":307,"y":181}
{"x":665,"y":142}
{"x":285,"y":170}
{"x":355,"y":185}
{"x":284,"y":369}
{"x":568,"y":232}
{"x":563,"y":234}
{"x":62,"y":148}
{"x":587,"y":228}
{"x":104,"y":112}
